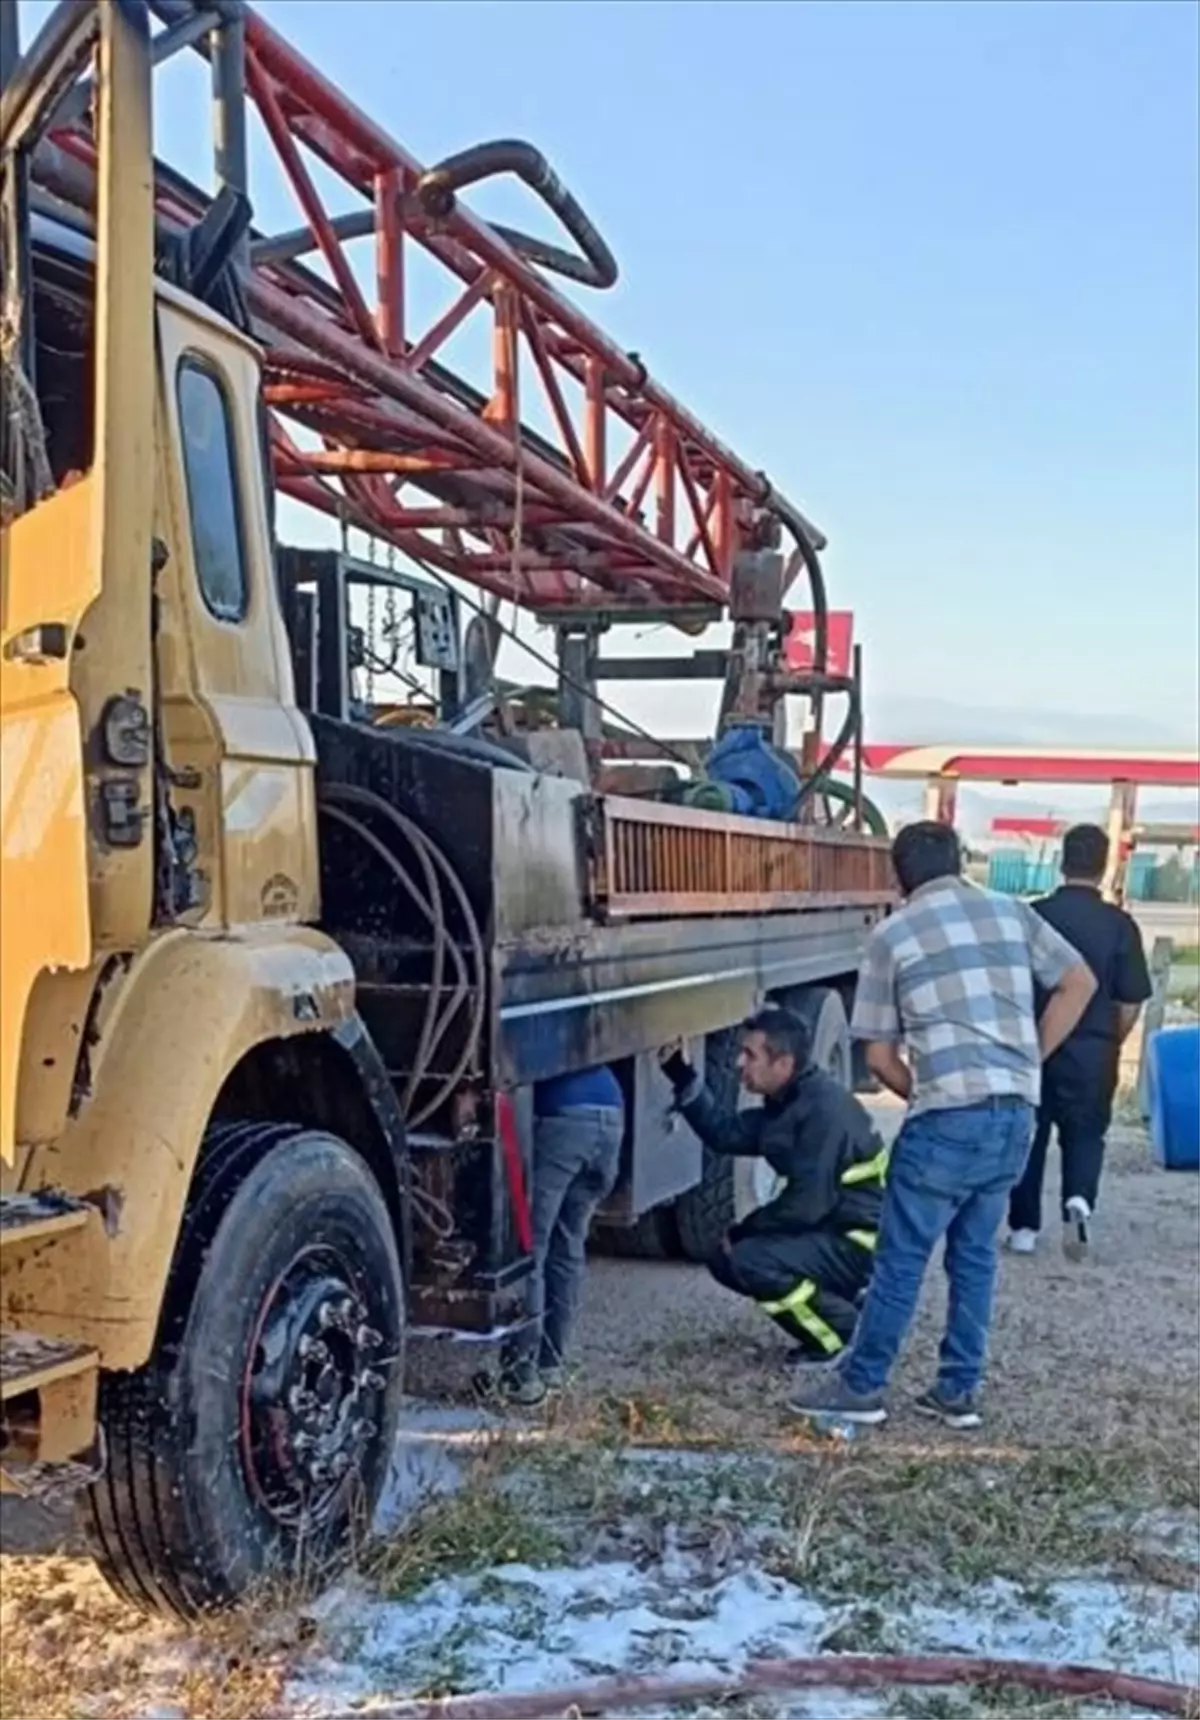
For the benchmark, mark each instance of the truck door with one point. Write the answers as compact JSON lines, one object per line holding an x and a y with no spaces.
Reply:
{"x":241,"y":755}
{"x":49,"y":574}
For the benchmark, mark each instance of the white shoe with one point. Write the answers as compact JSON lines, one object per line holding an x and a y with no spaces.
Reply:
{"x":1022,"y":1241}
{"x":1076,"y":1238}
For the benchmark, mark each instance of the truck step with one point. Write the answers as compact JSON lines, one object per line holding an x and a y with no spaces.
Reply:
{"x":33,"y":1217}
{"x":30,"y":1363}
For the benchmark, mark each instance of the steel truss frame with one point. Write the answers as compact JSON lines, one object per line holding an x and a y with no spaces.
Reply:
{"x":556,"y":522}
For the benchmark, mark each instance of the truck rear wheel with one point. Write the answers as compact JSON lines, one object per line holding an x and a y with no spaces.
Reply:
{"x":651,"y":1237}
{"x":259,"y":1434}
{"x":731,"y":1188}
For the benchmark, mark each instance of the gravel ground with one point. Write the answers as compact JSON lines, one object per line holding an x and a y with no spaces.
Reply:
{"x":1092,"y":1421}
{"x":1101,"y":1352}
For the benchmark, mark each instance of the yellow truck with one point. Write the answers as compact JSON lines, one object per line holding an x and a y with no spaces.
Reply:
{"x":279,"y":971}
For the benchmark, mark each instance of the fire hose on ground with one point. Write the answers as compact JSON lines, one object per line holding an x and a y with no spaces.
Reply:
{"x":762,"y":1677}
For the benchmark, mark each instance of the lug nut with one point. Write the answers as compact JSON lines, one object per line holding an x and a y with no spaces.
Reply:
{"x":371,"y":1381}
{"x":367,"y":1338}
{"x":311,"y":1349}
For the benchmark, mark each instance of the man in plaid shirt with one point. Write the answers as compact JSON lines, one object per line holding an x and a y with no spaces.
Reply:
{"x":945,"y":1003}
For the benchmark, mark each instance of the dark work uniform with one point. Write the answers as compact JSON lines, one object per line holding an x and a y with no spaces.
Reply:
{"x":806,"y":1256}
{"x":1080,"y":1080}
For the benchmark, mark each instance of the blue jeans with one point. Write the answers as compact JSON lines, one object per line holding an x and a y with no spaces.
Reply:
{"x":576,"y":1159}
{"x":950,"y":1175}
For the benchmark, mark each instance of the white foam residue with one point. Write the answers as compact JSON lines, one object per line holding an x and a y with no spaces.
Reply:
{"x":1148,"y":1631}
{"x":432,"y":1450}
{"x":519,"y":1629}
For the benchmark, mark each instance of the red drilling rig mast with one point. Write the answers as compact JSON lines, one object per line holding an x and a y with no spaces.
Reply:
{"x":629,"y":502}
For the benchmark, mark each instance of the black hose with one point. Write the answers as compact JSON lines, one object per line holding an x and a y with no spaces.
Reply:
{"x":845,"y":735}
{"x":805,"y":553}
{"x":806,"y":556}
{"x":431,"y":907}
{"x":436,"y":191}
{"x":428,"y":851}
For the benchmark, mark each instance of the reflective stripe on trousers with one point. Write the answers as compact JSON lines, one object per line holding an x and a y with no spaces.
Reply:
{"x":871,"y":1170}
{"x":796,"y":1305}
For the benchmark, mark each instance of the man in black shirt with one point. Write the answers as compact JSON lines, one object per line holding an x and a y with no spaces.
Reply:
{"x":1080,"y":1079}
{"x":805,"y":1257}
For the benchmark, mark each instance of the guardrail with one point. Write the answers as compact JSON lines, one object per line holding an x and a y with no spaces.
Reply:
{"x":649,"y":861}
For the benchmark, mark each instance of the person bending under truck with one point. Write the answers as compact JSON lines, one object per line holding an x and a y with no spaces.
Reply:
{"x":805,"y":1257}
{"x":579,"y":1121}
{"x":945,"y":1002}
{"x":1079,"y":1082}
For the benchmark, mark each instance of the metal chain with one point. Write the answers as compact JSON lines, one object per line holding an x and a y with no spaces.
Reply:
{"x":391,"y":614}
{"x":370,"y":651}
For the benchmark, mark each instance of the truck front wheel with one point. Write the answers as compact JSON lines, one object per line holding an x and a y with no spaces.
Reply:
{"x":259,"y":1434}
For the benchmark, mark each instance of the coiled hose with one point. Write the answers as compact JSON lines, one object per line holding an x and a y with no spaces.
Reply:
{"x":436,"y":872}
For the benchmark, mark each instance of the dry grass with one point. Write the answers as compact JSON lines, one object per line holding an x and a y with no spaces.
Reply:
{"x":68,"y":1648}
{"x":861,"y":1524}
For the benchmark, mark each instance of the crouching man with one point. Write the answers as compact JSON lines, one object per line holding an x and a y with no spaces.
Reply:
{"x":805,"y":1257}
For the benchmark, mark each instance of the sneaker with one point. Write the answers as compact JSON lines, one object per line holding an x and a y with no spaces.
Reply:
{"x":1076,"y":1238}
{"x":823,"y":1395}
{"x":960,"y":1413}
{"x":1022,"y":1241}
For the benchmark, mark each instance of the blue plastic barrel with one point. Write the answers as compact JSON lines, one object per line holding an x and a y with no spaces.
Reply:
{"x":1041,"y":877}
{"x":1174,"y":1085}
{"x":1139,"y":877}
{"x":1006,"y":871}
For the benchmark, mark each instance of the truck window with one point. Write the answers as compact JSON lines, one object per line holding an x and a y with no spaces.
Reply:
{"x":208,"y":461}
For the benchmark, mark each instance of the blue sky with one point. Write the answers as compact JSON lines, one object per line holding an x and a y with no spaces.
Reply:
{"x":932,"y":266}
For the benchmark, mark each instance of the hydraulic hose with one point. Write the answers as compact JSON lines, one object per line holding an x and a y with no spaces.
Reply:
{"x":436,"y":191}
{"x":846,"y":1672}
{"x":805,"y":555}
{"x":836,"y":747}
{"x":434,"y":864}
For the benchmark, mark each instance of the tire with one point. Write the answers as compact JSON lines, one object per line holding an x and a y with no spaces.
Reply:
{"x":286,"y":1263}
{"x":729,"y":1188}
{"x":822,"y":1010}
{"x":651,"y":1237}
{"x":704,"y":1213}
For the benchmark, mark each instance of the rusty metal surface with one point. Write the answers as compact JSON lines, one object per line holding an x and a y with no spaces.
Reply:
{"x":650,"y":860}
